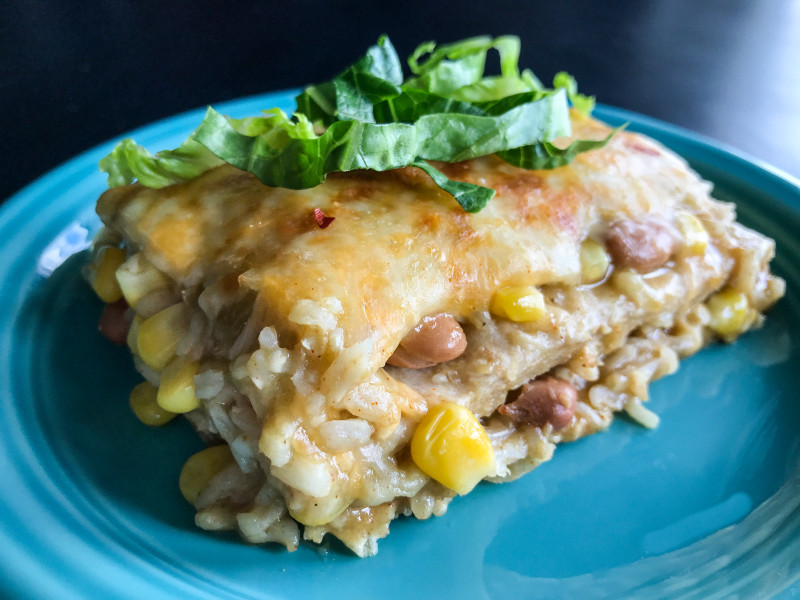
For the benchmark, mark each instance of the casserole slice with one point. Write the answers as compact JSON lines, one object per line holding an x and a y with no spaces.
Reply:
{"x":366,"y":349}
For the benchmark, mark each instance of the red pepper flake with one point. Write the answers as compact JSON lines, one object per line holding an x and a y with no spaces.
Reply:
{"x":322,"y":219}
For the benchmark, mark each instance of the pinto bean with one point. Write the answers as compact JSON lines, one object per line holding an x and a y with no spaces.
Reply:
{"x":641,"y":245}
{"x":436,"y":339}
{"x":113,"y":323}
{"x":541,"y":401}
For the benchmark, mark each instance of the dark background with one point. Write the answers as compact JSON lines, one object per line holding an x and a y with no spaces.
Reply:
{"x":74,"y":74}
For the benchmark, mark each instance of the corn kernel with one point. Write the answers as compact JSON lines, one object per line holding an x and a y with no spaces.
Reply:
{"x":133,"y":334}
{"x":751,"y":319}
{"x":144,"y":405}
{"x":176,"y":392}
{"x":695,"y":236}
{"x":451,"y":446}
{"x":158,"y":336}
{"x":594,"y":261}
{"x":728,"y":312}
{"x":200,"y":469}
{"x":103,"y":273}
{"x":518,"y":303}
{"x":137,"y":277}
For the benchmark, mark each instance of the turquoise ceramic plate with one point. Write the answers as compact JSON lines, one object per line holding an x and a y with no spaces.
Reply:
{"x":707,"y":505}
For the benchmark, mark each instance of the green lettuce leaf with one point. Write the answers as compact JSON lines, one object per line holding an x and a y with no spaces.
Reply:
{"x":129,"y":161}
{"x":275,"y":151}
{"x":544,"y":155}
{"x":454,"y":70}
{"x":583,"y":104}
{"x":351,"y":95}
{"x":367,"y":117}
{"x":348,"y":145}
{"x":471,"y":197}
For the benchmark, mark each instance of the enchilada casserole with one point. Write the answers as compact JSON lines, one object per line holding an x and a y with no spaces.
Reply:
{"x":365,"y":348}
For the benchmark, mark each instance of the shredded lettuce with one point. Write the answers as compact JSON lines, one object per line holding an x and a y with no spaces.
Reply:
{"x":583,"y":104}
{"x":355,"y":144}
{"x":129,"y":161}
{"x":545,"y":155}
{"x":367,"y":117}
{"x":351,"y":95}
{"x":457,"y":70}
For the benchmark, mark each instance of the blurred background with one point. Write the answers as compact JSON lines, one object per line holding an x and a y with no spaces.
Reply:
{"x":75,"y":74}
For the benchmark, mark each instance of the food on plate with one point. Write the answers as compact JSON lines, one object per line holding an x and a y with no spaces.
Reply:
{"x":407,"y":288}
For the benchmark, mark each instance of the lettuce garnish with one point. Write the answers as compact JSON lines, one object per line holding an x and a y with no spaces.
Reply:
{"x":368,"y":117}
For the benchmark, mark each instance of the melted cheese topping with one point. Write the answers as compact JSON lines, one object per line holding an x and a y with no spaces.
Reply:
{"x":400,"y":248}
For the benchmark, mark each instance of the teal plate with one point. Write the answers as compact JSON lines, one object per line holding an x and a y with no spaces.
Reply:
{"x":707,"y":505}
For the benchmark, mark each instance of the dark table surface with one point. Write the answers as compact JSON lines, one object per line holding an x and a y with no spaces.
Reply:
{"x":73,"y":74}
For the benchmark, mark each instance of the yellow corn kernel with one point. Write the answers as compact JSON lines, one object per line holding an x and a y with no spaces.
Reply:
{"x":518,"y":303}
{"x":176,"y":392}
{"x":751,"y":319}
{"x":695,"y":236}
{"x":103,"y":273}
{"x":133,"y":334}
{"x":728,"y":312}
{"x":144,"y":405}
{"x":158,"y":336}
{"x":137,"y":277}
{"x":451,"y":446}
{"x":200,"y":469}
{"x":594,"y":261}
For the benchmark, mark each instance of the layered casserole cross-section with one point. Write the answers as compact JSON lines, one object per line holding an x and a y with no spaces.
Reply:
{"x":365,"y":349}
